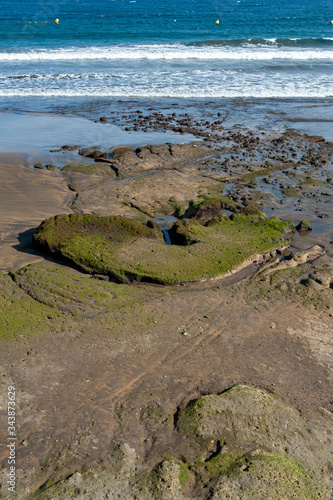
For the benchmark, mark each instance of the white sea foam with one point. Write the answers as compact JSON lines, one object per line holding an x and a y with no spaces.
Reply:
{"x":287,"y":91}
{"x":170,"y":52}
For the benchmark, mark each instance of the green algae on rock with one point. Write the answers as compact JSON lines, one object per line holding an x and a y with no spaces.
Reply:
{"x":126,"y":250}
{"x":97,"y":168}
{"x":246,"y":440}
{"x":20,"y":314}
{"x":65,"y":291}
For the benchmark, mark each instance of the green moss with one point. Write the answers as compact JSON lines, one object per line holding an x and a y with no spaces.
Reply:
{"x":212,"y":200}
{"x":169,"y":475}
{"x":293,"y":192}
{"x":21,"y":314}
{"x":184,"y":474}
{"x":127,"y":250}
{"x":310,"y":181}
{"x":93,"y":169}
{"x":270,"y":476}
{"x":179,"y":209}
{"x":251,"y":176}
{"x":226,"y":464}
{"x":64,"y":291}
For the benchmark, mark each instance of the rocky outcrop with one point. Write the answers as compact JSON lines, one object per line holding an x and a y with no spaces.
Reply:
{"x":243,"y":443}
{"x":126,"y":250}
{"x":128,"y":162}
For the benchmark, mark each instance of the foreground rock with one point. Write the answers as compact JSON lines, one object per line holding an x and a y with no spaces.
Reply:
{"x":247,"y":443}
{"x":126,"y":250}
{"x":241,"y":444}
{"x":124,"y":414}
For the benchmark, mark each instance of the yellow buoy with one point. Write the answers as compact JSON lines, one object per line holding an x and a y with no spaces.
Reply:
{"x":56,"y":21}
{"x":217,"y":22}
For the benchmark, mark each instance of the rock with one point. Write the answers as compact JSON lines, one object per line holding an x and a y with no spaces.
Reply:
{"x":39,"y":166}
{"x":218,"y":219}
{"x":304,"y":226}
{"x":183,"y":232}
{"x":247,"y":440}
{"x":153,"y":157}
{"x":98,"y":168}
{"x":103,"y":119}
{"x":86,"y":152}
{"x":71,"y":148}
{"x":152,"y":224}
{"x":253,"y":211}
{"x":209,"y":209}
{"x":167,"y":480}
{"x":94,"y":154}
{"x":127,"y":250}
{"x":124,"y":459}
{"x":100,"y":277}
{"x":102,"y":156}
{"x":323,"y":277}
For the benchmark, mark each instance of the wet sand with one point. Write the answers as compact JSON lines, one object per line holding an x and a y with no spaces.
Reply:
{"x":28,"y":196}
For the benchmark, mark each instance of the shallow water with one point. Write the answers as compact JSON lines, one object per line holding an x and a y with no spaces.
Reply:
{"x":42,"y":132}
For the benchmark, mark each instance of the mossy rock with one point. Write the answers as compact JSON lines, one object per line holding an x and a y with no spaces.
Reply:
{"x":121,"y":151}
{"x":20,"y":314}
{"x":185,"y":232}
{"x":71,"y":293}
{"x":93,"y":169}
{"x":210,"y":206}
{"x":168,"y":480}
{"x":267,"y":477}
{"x":247,"y":443}
{"x":304,"y":225}
{"x":293,"y":192}
{"x":91,"y":241}
{"x":124,"y":249}
{"x":218,"y":219}
{"x":253,"y":211}
{"x":178,"y":207}
{"x":241,"y":416}
{"x":248,"y":429}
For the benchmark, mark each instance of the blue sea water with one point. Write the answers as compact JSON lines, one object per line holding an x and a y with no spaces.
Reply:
{"x":157,"y":49}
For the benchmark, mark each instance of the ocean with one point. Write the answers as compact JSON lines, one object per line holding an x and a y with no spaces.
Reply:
{"x":165,"y":49}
